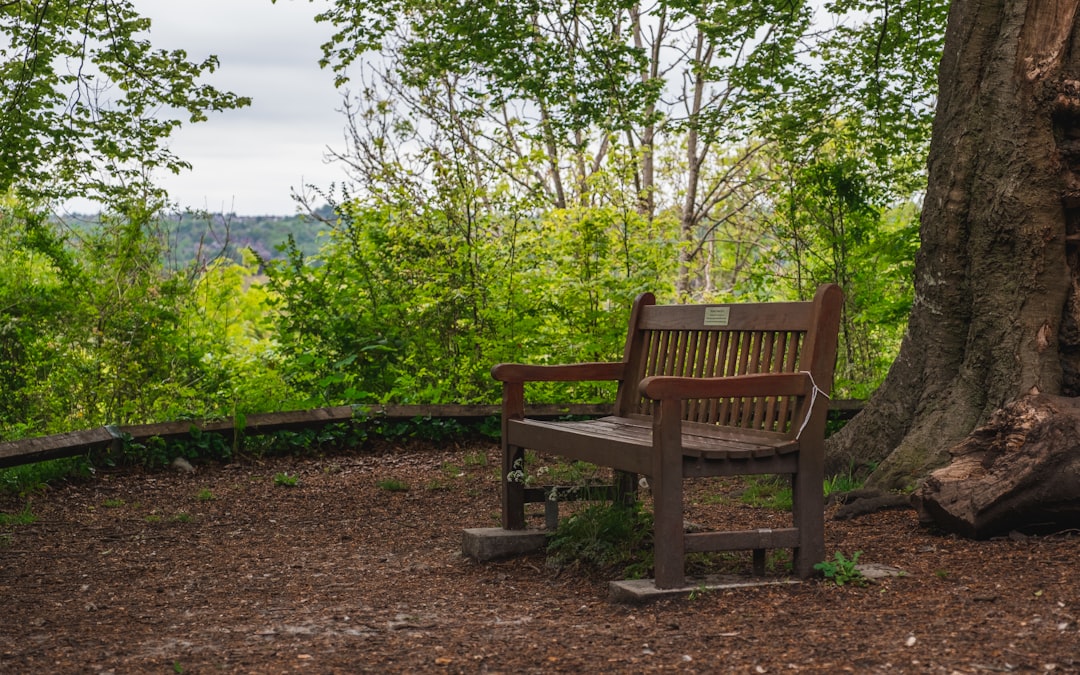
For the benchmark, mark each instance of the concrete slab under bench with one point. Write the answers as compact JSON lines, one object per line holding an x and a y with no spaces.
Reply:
{"x":489,"y":543}
{"x":645,"y":590}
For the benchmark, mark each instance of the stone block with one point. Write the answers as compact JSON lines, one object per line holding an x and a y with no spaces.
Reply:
{"x":489,"y":543}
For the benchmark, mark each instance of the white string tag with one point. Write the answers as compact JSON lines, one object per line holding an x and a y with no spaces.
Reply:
{"x":813,"y":399}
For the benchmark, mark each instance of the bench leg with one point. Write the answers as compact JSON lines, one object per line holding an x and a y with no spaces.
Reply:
{"x":759,"y":562}
{"x":669,"y":544}
{"x":668,"y":537}
{"x":809,"y":517}
{"x":513,"y":488}
{"x":626,"y":485}
{"x":669,"y":541}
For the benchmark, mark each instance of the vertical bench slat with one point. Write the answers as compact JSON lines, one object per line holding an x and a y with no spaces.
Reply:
{"x":649,"y":366}
{"x":768,"y":421}
{"x":718,"y":407}
{"x":794,"y":340}
{"x":667,"y":366}
{"x":731,"y":359}
{"x":716,"y":344}
{"x":743,"y":359}
{"x":744,"y":352}
{"x":753,"y":366}
{"x":764,"y":366}
{"x":782,"y":347}
{"x":698,"y":342}
{"x":682,"y":365}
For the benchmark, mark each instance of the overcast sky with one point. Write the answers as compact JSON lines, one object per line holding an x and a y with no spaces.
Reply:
{"x":247,"y":161}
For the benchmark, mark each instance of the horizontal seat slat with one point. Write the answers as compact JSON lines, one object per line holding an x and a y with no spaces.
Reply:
{"x":621,"y":447}
{"x":626,"y":434}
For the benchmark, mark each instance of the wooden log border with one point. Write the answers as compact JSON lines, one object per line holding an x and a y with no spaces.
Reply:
{"x":74,"y":443}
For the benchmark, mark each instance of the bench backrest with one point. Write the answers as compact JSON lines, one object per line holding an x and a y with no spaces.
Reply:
{"x":732,"y":339}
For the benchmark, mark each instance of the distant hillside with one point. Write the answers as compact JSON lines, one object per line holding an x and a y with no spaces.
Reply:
{"x":211,"y":235}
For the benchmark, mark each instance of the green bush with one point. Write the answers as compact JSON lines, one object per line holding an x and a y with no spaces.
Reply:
{"x":607,"y":537}
{"x":842,"y":570}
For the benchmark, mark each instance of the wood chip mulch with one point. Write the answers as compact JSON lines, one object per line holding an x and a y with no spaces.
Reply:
{"x":227,"y":570}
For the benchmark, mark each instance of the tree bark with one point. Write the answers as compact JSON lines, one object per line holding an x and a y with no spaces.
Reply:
{"x":1019,"y":471}
{"x":996,"y":286}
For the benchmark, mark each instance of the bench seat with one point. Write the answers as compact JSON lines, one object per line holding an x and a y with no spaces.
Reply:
{"x":626,"y":443}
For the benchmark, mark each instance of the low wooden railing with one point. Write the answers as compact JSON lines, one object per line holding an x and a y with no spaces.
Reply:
{"x":73,"y":443}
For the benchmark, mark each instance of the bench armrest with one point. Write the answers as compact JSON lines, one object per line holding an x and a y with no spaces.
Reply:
{"x":659,"y":387}
{"x":573,"y":372}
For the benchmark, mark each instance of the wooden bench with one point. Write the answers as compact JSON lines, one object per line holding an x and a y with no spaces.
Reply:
{"x":703,"y":390}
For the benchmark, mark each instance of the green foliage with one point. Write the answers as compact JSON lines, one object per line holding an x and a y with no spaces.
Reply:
{"x":490,"y":427}
{"x":98,"y":331}
{"x":24,"y":517}
{"x":552,"y":181}
{"x":451,"y":470}
{"x":157,"y":453}
{"x":774,"y":492}
{"x":82,"y":91}
{"x":476,"y":459}
{"x":31,"y":478}
{"x":392,"y":485}
{"x":564,"y":472}
{"x":416,"y":309}
{"x":202,"y":445}
{"x":880,"y":74}
{"x":608,"y":537}
{"x":842,"y":570}
{"x":307,"y":441}
{"x":771,"y":492}
{"x":842,"y":482}
{"x":832,"y":224}
{"x":285,"y":479}
{"x":425,"y":428}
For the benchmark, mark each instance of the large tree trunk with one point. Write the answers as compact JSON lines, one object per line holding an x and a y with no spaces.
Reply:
{"x":996,"y":289}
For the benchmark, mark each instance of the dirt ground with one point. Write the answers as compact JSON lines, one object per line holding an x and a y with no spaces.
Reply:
{"x":228,"y":570}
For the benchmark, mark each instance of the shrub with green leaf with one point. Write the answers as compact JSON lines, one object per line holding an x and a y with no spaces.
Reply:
{"x":842,"y":570}
{"x":607,"y":537}
{"x":285,"y":479}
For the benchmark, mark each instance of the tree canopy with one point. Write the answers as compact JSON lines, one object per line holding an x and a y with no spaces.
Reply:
{"x":88,"y":102}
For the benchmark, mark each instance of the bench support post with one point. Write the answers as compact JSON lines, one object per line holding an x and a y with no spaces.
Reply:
{"x":808,"y":511}
{"x":667,"y":487}
{"x":513,"y":460}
